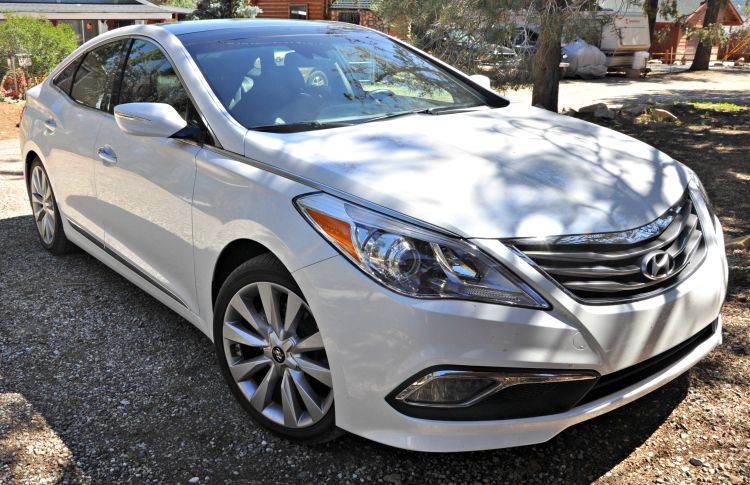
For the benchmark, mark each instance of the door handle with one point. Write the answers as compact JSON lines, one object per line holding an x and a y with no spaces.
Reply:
{"x":106,"y":155}
{"x":50,"y":125}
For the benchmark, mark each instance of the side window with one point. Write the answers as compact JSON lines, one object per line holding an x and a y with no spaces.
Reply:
{"x":150,"y":78}
{"x":64,"y":80}
{"x":93,"y":81}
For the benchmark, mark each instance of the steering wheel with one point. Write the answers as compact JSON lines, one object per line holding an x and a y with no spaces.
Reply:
{"x":317,"y":79}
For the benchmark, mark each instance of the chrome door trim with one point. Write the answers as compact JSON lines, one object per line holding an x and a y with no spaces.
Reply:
{"x":122,"y":260}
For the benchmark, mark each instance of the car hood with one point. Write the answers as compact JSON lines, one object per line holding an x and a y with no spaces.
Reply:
{"x":494,"y":173}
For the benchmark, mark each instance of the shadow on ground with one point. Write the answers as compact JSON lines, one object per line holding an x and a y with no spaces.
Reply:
{"x":133,"y":392}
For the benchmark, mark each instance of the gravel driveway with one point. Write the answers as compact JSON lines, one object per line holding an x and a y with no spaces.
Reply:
{"x":100,"y":383}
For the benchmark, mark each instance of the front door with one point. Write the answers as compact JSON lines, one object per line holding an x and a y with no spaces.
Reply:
{"x":145,"y":185}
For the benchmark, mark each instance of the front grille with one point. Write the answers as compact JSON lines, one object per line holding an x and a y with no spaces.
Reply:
{"x":617,"y":266}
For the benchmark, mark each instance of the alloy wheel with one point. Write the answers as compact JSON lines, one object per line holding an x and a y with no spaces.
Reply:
{"x":43,"y":205}
{"x":276,"y":356}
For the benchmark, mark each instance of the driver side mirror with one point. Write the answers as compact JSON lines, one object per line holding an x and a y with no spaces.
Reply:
{"x":148,"y":119}
{"x":482,"y":80}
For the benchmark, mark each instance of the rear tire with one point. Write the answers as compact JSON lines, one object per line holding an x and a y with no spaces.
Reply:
{"x":271,"y":353}
{"x":45,"y":212}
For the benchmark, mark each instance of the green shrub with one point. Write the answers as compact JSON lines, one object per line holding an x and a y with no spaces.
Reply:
{"x":47,"y":44}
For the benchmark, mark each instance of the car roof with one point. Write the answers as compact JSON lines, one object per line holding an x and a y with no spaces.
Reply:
{"x":261,"y":27}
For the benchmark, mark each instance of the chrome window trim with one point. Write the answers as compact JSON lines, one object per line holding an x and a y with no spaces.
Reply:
{"x":59,"y":69}
{"x":180,"y":77}
{"x":80,"y":58}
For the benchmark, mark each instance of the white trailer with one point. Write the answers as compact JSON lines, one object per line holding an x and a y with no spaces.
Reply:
{"x":623,"y":36}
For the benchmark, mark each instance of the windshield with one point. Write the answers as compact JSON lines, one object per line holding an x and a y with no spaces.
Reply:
{"x":309,"y":81}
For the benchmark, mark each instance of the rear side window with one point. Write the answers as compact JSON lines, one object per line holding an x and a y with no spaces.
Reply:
{"x":64,"y":80}
{"x":150,"y":78}
{"x":93,"y":81}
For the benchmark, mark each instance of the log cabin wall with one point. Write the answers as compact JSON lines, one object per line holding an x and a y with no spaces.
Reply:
{"x":316,"y":10}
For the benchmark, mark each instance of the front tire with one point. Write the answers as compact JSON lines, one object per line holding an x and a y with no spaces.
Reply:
{"x":44,"y":209}
{"x":271,"y":352}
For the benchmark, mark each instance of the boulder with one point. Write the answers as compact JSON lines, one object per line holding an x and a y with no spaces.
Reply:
{"x":591,"y":108}
{"x":635,"y":109}
{"x":603,"y":111}
{"x":568,"y":112}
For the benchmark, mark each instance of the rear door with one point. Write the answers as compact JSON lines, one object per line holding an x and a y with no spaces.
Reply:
{"x":145,"y":185}
{"x":79,"y":103}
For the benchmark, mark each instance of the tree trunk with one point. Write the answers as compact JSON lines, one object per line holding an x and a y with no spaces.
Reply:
{"x":652,"y":10}
{"x":703,"y":51}
{"x":546,"y":68}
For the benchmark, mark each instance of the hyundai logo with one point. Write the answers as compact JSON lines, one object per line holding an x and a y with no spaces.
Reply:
{"x":278,"y":355}
{"x":657,"y":265}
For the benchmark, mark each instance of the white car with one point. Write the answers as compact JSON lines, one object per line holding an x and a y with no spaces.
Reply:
{"x":374,"y":241}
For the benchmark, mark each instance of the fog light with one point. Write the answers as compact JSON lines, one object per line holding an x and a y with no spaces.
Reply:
{"x":450,"y":388}
{"x":464,"y":388}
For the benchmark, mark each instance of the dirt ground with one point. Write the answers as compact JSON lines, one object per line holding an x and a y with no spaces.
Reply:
{"x":9,"y":116}
{"x":99,"y":383}
{"x":725,"y":85}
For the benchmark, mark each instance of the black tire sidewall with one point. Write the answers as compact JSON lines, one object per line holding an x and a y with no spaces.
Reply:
{"x":264,"y":268}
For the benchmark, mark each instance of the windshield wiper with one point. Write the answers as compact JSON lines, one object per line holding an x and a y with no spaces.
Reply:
{"x":447,"y":109}
{"x":302,"y":126}
{"x":435,"y":110}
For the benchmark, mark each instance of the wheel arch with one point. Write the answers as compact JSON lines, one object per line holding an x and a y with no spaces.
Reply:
{"x":29,"y":158}
{"x":233,"y":255}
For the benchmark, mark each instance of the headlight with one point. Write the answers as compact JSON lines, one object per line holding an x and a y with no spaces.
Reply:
{"x":412,"y":260}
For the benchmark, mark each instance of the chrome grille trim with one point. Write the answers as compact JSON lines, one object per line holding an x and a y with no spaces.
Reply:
{"x":605,"y":269}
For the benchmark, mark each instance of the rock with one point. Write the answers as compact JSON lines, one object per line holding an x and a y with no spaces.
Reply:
{"x":659,"y":114}
{"x":734,"y":479}
{"x":604,"y":112}
{"x":739,"y":62}
{"x":568,"y":112}
{"x":194,"y":480}
{"x":592,"y":108}
{"x":635,"y":109}
{"x":696,"y":462}
{"x":738,"y":243}
{"x":392,"y":478}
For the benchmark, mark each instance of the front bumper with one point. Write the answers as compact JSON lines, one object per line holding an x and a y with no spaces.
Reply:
{"x":376,"y":340}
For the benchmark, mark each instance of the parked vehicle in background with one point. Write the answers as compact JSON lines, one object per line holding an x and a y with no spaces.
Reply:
{"x":374,"y":241}
{"x":623,"y":37}
{"x":482,"y":52}
{"x":525,"y":39}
